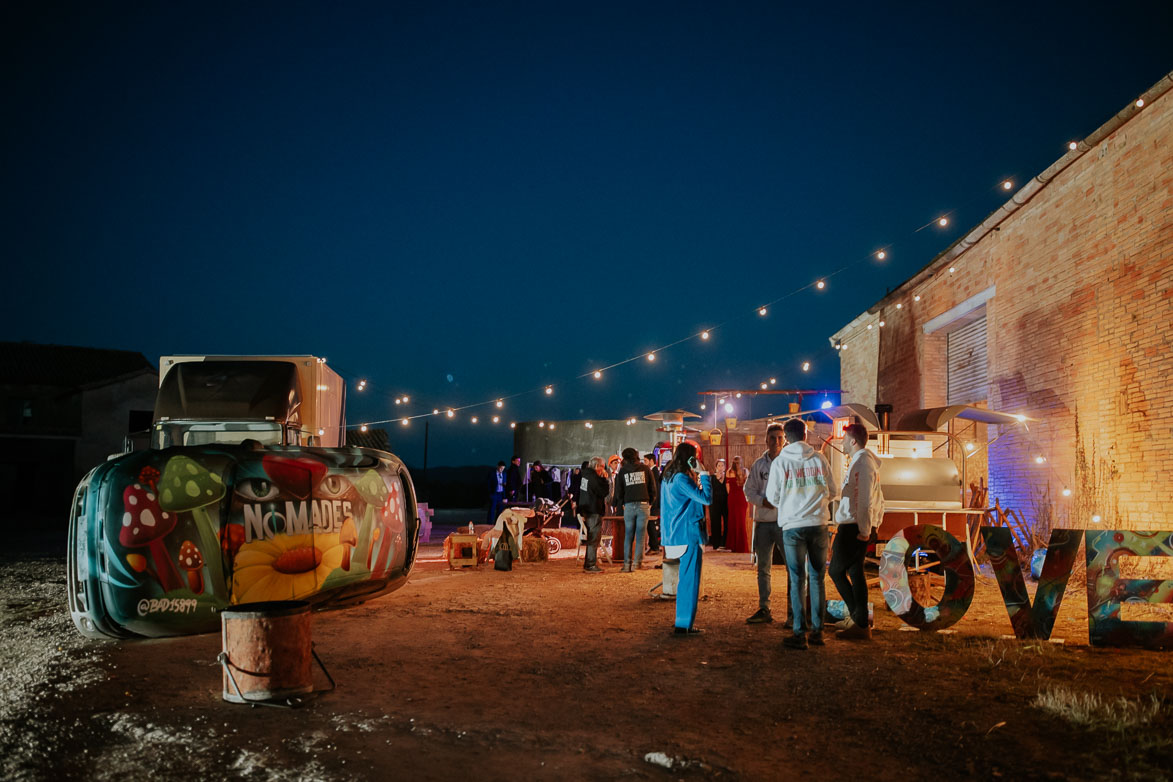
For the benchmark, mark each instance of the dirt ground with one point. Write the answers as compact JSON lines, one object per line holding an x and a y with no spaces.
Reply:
{"x":549,"y":673}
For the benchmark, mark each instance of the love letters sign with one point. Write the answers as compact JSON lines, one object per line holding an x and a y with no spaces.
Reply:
{"x":1106,"y":589}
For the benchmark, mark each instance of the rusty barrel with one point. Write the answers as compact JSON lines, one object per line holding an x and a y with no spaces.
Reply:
{"x":267,"y":650}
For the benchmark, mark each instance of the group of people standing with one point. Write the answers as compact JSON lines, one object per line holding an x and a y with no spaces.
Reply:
{"x":633,"y":490}
{"x":790,"y":488}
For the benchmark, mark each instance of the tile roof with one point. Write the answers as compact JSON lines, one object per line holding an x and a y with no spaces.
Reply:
{"x":65,"y":366}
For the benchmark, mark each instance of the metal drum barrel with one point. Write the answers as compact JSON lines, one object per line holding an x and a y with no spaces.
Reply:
{"x":267,"y":651}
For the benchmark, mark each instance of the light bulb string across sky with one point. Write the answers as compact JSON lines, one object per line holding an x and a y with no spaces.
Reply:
{"x":761,"y":310}
{"x":880,"y":254}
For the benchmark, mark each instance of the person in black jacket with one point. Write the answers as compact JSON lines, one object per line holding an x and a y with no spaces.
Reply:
{"x":635,"y":488}
{"x":496,"y":492}
{"x":719,"y":510}
{"x":592,"y":503}
{"x":653,"y":524}
{"x":513,"y":479}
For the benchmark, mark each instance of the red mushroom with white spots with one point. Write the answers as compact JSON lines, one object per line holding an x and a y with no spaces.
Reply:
{"x":145,"y":525}
{"x":192,"y":561}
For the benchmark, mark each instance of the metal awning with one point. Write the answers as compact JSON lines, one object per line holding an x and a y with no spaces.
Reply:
{"x":850,"y":410}
{"x":671,"y":416}
{"x":933,"y":418}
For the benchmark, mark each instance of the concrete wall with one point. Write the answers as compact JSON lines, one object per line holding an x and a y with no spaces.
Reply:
{"x":572,"y":443}
{"x":1078,"y":335}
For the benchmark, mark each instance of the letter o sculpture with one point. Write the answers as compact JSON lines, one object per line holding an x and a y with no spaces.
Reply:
{"x":958,"y":577}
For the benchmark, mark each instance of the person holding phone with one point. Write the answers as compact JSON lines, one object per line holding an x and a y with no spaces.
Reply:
{"x":686,"y":490}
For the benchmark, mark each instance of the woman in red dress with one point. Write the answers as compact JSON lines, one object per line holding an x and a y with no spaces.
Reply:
{"x":737,"y":535}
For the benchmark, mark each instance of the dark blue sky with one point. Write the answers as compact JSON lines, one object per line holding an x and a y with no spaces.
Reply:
{"x":465,"y":201}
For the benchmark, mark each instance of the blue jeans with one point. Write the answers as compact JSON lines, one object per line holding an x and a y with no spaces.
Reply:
{"x":635,"y":518}
{"x":809,"y":545}
{"x":496,"y":505}
{"x":688,"y":590}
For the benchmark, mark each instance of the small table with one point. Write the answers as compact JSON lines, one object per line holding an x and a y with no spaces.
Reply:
{"x":462,"y":550}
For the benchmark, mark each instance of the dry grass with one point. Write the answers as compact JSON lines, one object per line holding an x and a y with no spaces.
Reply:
{"x":1091,"y":711}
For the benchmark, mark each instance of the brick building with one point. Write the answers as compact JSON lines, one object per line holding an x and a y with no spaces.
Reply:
{"x":1059,"y":306}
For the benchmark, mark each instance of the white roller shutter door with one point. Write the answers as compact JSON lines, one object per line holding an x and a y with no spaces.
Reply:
{"x":968,"y":376}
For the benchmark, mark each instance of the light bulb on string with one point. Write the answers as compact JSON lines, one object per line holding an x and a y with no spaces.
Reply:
{"x":321,"y":432}
{"x":551,"y":427}
{"x":764,"y":386}
{"x":1072,"y":145}
{"x":405,"y":399}
{"x":899,"y":306}
{"x":881,"y":255}
{"x":1007,"y":185}
{"x":512,"y":424}
{"x":704,"y":335}
{"x":541,"y":424}
{"x":651,"y":357}
{"x":943,"y":221}
{"x":598,"y":374}
{"x":702,"y":405}
{"x":728,"y":407}
{"x":762,"y":311}
{"x":970,"y":447}
{"x":820,"y":284}
{"x":435,"y":411}
{"x":450,"y":412}
{"x":500,"y":403}
{"x":806,"y":366}
{"x":738,"y":395}
{"x":363,"y":428}
{"x":881,"y":324}
{"x":1040,"y":459}
{"x":773,"y":381}
{"x":1140,"y":103}
{"x":1096,"y":518}
{"x":473,"y":419}
{"x":404,"y":422}
{"x":869,"y":327}
{"x":549,"y":390}
{"x":1067,"y":492}
{"x":496,"y":419}
{"x":952,"y":269}
{"x":398,"y":400}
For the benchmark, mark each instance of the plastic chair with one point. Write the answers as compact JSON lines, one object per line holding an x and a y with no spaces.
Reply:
{"x":605,"y":543}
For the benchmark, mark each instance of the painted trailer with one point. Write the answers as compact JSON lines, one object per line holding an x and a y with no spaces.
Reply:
{"x":237,"y":508}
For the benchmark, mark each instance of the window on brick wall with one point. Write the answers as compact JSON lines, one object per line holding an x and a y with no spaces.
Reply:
{"x":967,"y":378}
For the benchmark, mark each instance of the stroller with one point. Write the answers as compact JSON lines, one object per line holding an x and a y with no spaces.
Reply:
{"x":547,"y":515}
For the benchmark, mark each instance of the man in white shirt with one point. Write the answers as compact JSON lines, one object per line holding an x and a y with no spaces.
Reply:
{"x":861,"y":509}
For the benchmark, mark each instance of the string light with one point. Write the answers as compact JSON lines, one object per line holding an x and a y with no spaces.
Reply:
{"x":869,"y":327}
{"x":1067,"y":492}
{"x":541,"y":424}
{"x":728,"y":407}
{"x":1072,"y":145}
{"x":398,"y":400}
{"x":598,"y":374}
{"x":773,"y":381}
{"x":1096,"y":518}
{"x":704,"y":335}
{"x":916,"y":297}
{"x":404,"y":422}
{"x":702,"y":405}
{"x":952,"y":269}
{"x":363,"y":428}
{"x":806,"y":366}
{"x":500,"y":403}
{"x":512,"y":424}
{"x":762,"y":311}
{"x":881,"y":324}
{"x":1140,"y":103}
{"x":496,"y":419}
{"x":435,"y":411}
{"x":881,"y":255}
{"x":899,"y":306}
{"x":764,"y":386}
{"x":450,"y":412}
{"x":589,"y":425}
{"x":1039,"y":460}
{"x":943,"y":221}
{"x":970,"y":447}
{"x":474,"y":419}
{"x":362,"y":385}
{"x":651,"y":357}
{"x":820,"y":284}
{"x":1007,"y":185}
{"x":551,"y":427}
{"x":738,"y":395}
{"x":549,"y":390}
{"x":321,"y":432}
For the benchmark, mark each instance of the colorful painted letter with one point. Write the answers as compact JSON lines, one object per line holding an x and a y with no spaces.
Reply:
{"x":1032,"y":621}
{"x":1106,"y":590}
{"x":958,"y":577}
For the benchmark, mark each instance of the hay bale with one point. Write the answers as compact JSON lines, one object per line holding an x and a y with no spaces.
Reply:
{"x":533,"y":549}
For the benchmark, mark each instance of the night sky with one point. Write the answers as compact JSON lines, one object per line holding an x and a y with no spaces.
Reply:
{"x":467,"y":201}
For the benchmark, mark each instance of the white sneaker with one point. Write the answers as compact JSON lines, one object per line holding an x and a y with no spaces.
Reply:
{"x":845,"y":624}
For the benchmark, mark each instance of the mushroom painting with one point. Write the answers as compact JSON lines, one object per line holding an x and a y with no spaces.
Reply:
{"x":390,"y":517}
{"x":192,"y":561}
{"x":231,"y":539}
{"x":372,"y":490}
{"x":144,"y":525}
{"x":186,"y":486}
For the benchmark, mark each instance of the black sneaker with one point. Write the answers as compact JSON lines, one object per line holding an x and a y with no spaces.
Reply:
{"x":593,"y":569}
{"x":794,"y":642}
{"x":816,"y":639}
{"x":686,"y":631}
{"x":762,"y":617}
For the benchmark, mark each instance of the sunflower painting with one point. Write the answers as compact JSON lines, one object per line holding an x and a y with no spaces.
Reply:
{"x":285,"y":567}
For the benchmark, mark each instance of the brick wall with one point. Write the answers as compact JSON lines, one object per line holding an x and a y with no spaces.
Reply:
{"x":1080,"y":335}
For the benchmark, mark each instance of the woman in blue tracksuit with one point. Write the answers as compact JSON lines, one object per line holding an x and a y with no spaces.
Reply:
{"x":685,"y":492}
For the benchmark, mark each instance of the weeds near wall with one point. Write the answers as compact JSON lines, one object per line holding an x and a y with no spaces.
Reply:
{"x":1095,"y":487}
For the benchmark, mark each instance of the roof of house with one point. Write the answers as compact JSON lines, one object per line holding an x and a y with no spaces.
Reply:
{"x":65,"y":366}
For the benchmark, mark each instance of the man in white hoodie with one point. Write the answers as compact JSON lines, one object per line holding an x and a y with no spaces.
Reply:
{"x":861,"y":509}
{"x":801,"y":488}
